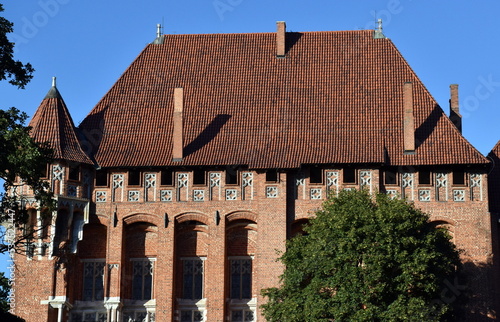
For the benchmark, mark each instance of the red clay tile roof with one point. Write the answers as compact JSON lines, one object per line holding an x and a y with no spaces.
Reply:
{"x":52,"y":123}
{"x":335,"y":98}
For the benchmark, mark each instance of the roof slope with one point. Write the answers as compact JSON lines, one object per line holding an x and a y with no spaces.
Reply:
{"x":337,"y":97}
{"x":52,"y":123}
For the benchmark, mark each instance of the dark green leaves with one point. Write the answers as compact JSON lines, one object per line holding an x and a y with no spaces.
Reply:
{"x":364,"y":260}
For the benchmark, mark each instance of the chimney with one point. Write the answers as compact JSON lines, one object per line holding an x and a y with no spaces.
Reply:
{"x":455,"y":116}
{"x":280,"y":39}
{"x":177,"y":135}
{"x":408,"y":120}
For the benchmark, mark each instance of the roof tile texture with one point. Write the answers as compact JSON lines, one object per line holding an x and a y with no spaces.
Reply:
{"x":52,"y":123}
{"x":337,"y":97}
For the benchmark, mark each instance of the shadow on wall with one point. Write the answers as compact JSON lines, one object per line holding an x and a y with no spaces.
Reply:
{"x":470,"y":293}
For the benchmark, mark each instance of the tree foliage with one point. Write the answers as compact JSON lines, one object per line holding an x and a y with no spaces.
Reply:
{"x":22,"y":160}
{"x":364,"y":259}
{"x":17,"y":73}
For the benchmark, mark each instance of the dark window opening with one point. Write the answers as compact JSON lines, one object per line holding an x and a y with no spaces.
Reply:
{"x":231,"y":176}
{"x":424,"y":177}
{"x":74,"y":173}
{"x":44,"y":171}
{"x":390,"y":177}
{"x":101,"y":178}
{"x":192,"y":279}
{"x":167,"y":178}
{"x":142,"y":280}
{"x":349,"y":175}
{"x":458,"y":177}
{"x":315,"y":175}
{"x":271,"y":176}
{"x":199,"y":177}
{"x":241,"y":279}
{"x":134,"y":178}
{"x":93,"y":281}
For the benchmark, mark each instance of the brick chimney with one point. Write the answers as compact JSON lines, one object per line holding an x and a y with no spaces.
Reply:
{"x":408,"y":119}
{"x":177,"y":135}
{"x":280,"y":39}
{"x":455,"y":116}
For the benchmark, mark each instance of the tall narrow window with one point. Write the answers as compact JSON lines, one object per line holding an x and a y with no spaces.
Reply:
{"x":101,"y":178}
{"x":199,"y":177}
{"x":93,"y":281}
{"x":134,"y":178}
{"x":424,"y":177}
{"x":458,"y":178}
{"x":390,"y":177}
{"x":142,"y":279}
{"x":231,"y":175}
{"x":192,"y":279}
{"x":167,"y":178}
{"x":74,"y":173}
{"x":315,"y":175}
{"x":349,"y":175}
{"x":241,"y":278}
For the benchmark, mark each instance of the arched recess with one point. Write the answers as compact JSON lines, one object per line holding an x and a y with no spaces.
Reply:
{"x":135,"y":218}
{"x":241,"y":246}
{"x":298,"y":227}
{"x":91,"y":252}
{"x":140,"y":252}
{"x":191,"y":250}
{"x":445,"y":225}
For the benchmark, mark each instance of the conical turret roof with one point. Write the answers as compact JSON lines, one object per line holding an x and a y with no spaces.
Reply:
{"x":52,"y":123}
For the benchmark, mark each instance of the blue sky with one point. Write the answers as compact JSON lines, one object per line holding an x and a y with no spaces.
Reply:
{"x":88,"y":44}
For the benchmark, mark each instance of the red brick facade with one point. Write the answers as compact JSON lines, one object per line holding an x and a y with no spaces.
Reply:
{"x":190,"y":229}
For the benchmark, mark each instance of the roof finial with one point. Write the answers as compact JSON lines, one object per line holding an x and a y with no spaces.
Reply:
{"x":378,"y":34}
{"x":159,"y":38}
{"x":158,"y":30}
{"x":54,"y":81}
{"x":379,"y":25}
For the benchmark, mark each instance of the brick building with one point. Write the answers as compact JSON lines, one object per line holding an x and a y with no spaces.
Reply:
{"x":178,"y":188}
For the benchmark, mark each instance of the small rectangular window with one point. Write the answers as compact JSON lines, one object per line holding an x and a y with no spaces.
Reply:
{"x":242,"y":315}
{"x":199,"y":177}
{"x":272,"y":175}
{"x":167,"y":178}
{"x":142,"y":279}
{"x":424,"y":177}
{"x":191,"y":316}
{"x":44,"y":171}
{"x":192,"y":279}
{"x":390,"y":177}
{"x":101,"y":178}
{"x":458,"y":178}
{"x":349,"y":175}
{"x":241,"y":278}
{"x":93,"y":281}
{"x":134,"y":178}
{"x":231,"y":176}
{"x":315,"y":175}
{"x":74,"y":173}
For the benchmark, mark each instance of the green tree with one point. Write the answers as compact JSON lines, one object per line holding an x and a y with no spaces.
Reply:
{"x":17,"y":73}
{"x":20,"y":157}
{"x":364,"y":259}
{"x":4,"y":293}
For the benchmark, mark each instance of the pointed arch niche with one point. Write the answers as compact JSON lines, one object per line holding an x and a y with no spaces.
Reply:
{"x":191,"y":250}
{"x":241,"y":241}
{"x":141,"y":245}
